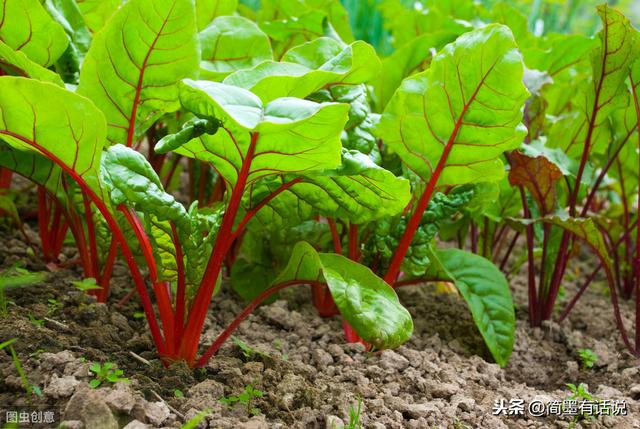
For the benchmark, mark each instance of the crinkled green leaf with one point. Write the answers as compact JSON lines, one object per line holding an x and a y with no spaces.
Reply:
{"x":232,"y":43}
{"x":208,"y":10}
{"x":293,"y":135}
{"x":358,"y":191}
{"x":27,"y":27}
{"x":62,"y":126}
{"x":309,"y":67}
{"x":387,"y":232}
{"x":132,"y":181}
{"x":17,"y":63}
{"x":463,"y":112}
{"x":135,"y":62}
{"x":365,"y":301}
{"x":486,"y":291}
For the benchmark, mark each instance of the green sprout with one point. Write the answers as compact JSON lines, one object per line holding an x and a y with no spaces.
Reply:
{"x":588,"y":357}
{"x":246,"y":399}
{"x":107,"y":373}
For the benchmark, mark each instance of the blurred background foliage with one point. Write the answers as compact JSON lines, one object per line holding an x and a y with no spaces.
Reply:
{"x":387,"y":24}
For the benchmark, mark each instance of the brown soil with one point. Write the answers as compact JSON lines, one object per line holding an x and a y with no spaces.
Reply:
{"x":309,"y":377}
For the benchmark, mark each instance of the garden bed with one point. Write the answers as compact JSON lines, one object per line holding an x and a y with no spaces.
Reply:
{"x":308,"y":375}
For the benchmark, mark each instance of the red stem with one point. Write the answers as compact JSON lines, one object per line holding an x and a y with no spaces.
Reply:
{"x":198,"y":312}
{"x":337,"y":245}
{"x":91,"y":232}
{"x":636,"y":102}
{"x":416,"y":217}
{"x":107,"y":271}
{"x":5,"y":178}
{"x":181,"y":288}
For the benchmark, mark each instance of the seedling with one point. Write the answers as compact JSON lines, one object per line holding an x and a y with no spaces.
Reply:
{"x":578,"y":393}
{"x":178,"y":393}
{"x":35,"y":321}
{"x":86,"y":285}
{"x":354,"y":415}
{"x":588,"y":358}
{"x":53,"y":306}
{"x":29,"y":388}
{"x":247,"y":351}
{"x":278,"y":345}
{"x":246,"y":399}
{"x":106,"y":373}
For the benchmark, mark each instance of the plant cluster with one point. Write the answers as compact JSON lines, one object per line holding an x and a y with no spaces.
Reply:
{"x":260,"y":146}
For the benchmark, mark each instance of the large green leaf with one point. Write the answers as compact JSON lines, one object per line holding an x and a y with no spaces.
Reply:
{"x":462,"y":113}
{"x":63,"y":126}
{"x":586,"y":127}
{"x":135,"y":62}
{"x":208,"y":10}
{"x":365,"y":301}
{"x":293,"y":135}
{"x":232,"y":43}
{"x":26,"y":26}
{"x":486,"y":291}
{"x":17,"y":63}
{"x":309,"y":67}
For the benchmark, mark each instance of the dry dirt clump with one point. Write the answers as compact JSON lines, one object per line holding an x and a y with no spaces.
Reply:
{"x":308,"y":377}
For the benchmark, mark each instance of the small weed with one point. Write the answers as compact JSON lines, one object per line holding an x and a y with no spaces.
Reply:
{"x":107,"y":373}
{"x":86,"y":285}
{"x":580,"y":392}
{"x":247,"y":351}
{"x":35,"y":321}
{"x":53,"y":306}
{"x":178,"y":393}
{"x":246,"y":399}
{"x":354,"y":416}
{"x":29,"y":388}
{"x":588,"y":358}
{"x":138,"y":315}
{"x":280,"y":347}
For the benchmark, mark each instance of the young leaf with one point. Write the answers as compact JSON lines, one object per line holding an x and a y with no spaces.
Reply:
{"x":27,"y":27}
{"x":135,"y":62}
{"x":366,"y":302}
{"x":454,"y":120}
{"x":309,"y":67}
{"x":232,"y":43}
{"x":56,"y":123}
{"x":291,"y":135}
{"x":486,"y":291}
{"x":539,"y":176}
